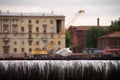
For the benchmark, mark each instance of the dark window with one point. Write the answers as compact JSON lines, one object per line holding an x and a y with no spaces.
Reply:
{"x":37,"y":42}
{"x":22,"y":29}
{"x":30,"y":36}
{"x":15,"y":42}
{"x":30,"y":42}
{"x":59,"y":42}
{"x":44,"y":29}
{"x":59,"y":25}
{"x":22,"y":49}
{"x":30,"y":28}
{"x":29,"y":21}
{"x":30,"y":49}
{"x":37,"y":21}
{"x":51,"y":21}
{"x":5,"y":43}
{"x":15,"y":49}
{"x":37,"y":29}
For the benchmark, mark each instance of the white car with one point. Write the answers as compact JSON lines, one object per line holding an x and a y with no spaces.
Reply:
{"x":64,"y":52}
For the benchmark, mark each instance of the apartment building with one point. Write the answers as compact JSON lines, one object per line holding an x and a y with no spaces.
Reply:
{"x":24,"y":32}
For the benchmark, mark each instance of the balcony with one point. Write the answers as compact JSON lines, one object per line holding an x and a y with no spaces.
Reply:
{"x":5,"y":31}
{"x":44,"y":40}
{"x":6,"y":39}
{"x":44,"y":24}
{"x":15,"y":31}
{"x":15,"y":23}
{"x":5,"y":23}
{"x":30,"y":39}
{"x":30,"y":24}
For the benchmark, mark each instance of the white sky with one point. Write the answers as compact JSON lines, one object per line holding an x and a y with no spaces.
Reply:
{"x":106,"y":10}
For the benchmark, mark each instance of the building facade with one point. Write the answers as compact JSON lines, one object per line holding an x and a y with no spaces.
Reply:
{"x":78,"y":37}
{"x":20,"y":32}
{"x":111,"y":40}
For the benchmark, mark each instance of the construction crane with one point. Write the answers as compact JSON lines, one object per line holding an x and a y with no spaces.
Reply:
{"x":47,"y":49}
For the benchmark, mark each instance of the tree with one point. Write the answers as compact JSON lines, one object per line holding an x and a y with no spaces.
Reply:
{"x":68,"y":38}
{"x":115,"y":26}
{"x":92,"y":35}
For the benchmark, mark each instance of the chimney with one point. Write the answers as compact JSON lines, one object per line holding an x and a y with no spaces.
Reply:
{"x":98,"y":22}
{"x":112,"y":22}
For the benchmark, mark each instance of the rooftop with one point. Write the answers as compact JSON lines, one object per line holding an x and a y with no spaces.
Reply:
{"x":27,"y":14}
{"x":87,"y":27}
{"x":112,"y":35}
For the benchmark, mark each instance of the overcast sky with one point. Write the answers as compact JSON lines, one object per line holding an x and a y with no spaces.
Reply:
{"x":106,"y":10}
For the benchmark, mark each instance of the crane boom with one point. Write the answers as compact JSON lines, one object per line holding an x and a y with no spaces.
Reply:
{"x":63,"y":31}
{"x":75,"y":17}
{"x":51,"y":44}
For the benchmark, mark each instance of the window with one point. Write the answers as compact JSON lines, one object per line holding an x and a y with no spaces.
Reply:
{"x":51,"y":42}
{"x":15,"y":49}
{"x":44,"y":21}
{"x":30,"y":21}
{"x":30,"y":49}
{"x":37,"y":42}
{"x":44,"y":29}
{"x":30,"y":42}
{"x":14,"y":29}
{"x":52,"y":36}
{"x":37,"y":35}
{"x":22,"y":29}
{"x":5,"y":28}
{"x":37,"y":29}
{"x":15,"y":35}
{"x":22,"y":50}
{"x":59,"y":42}
{"x":30,"y":28}
{"x":45,"y":35}
{"x":15,"y":21}
{"x":22,"y":35}
{"x":30,"y":36}
{"x":15,"y":42}
{"x":52,"y":29}
{"x":5,"y":43}
{"x":58,"y":25}
{"x":22,"y":42}
{"x":5,"y":21}
{"x":45,"y":39}
{"x":37,"y":21}
{"x":51,"y":21}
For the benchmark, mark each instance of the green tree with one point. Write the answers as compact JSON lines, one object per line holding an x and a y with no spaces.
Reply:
{"x":115,"y":26}
{"x":92,"y":35}
{"x":68,"y":38}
